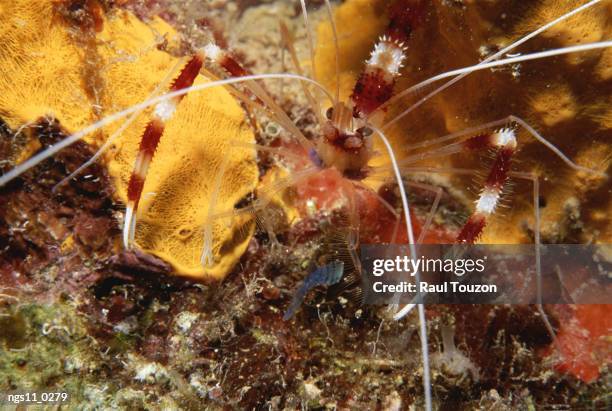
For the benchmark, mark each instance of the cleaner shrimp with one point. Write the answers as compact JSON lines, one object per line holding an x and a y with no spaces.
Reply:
{"x":344,"y":147}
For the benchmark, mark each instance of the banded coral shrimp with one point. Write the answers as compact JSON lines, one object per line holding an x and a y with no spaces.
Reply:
{"x":336,"y":116}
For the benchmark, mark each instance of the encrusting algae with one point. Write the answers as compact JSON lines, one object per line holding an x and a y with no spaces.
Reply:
{"x":79,"y":65}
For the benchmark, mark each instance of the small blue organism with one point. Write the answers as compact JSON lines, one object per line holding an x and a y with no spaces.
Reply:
{"x":328,"y":274}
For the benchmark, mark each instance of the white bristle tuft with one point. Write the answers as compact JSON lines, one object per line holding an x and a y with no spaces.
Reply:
{"x":505,"y":137}
{"x":487,"y":202}
{"x":388,"y":56}
{"x":165,"y":109}
{"x":213,"y":52}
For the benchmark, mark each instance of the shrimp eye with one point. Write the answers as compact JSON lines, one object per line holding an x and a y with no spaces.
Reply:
{"x":365,"y":131}
{"x":329,"y":113}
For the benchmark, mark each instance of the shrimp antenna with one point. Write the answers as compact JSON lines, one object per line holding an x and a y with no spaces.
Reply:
{"x":488,"y":59}
{"x":73,"y":138}
{"x":289,"y":43}
{"x":337,"y":48}
{"x":412,"y":247}
{"x":309,"y":36}
{"x":504,"y":62}
{"x":43,"y":155}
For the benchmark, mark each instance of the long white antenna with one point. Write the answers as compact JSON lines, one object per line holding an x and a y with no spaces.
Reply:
{"x":36,"y":159}
{"x":512,"y":60}
{"x":413,"y":253}
{"x":490,"y":58}
{"x":52,"y":150}
{"x":336,"y":46}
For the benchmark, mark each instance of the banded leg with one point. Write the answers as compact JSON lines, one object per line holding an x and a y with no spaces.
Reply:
{"x":534,"y":179}
{"x":504,"y":142}
{"x":224,"y":59}
{"x":377,"y":80}
{"x":111,"y":139}
{"x":494,"y":56}
{"x":461,"y":135}
{"x":153,"y":132}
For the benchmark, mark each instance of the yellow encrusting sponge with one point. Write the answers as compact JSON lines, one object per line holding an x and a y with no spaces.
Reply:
{"x":49,"y":69}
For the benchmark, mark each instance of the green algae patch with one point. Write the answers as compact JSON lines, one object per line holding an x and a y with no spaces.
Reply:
{"x":46,"y":347}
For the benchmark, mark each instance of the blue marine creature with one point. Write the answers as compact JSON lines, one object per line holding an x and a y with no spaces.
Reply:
{"x":328,"y":274}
